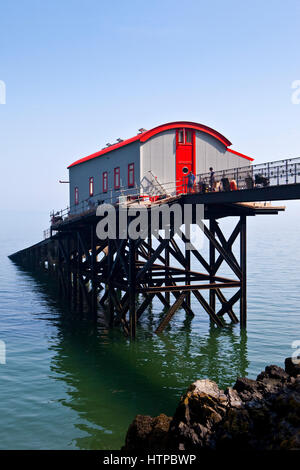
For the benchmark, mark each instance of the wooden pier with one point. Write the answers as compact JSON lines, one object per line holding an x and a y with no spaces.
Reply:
{"x":113,"y":273}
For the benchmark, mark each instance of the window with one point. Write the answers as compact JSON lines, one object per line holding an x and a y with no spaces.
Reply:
{"x":117,"y":178}
{"x":105,"y":181}
{"x":184,"y":136}
{"x":76,"y":196}
{"x":180,"y":136}
{"x":130,"y":175}
{"x":91,"y":186}
{"x":188,"y":136}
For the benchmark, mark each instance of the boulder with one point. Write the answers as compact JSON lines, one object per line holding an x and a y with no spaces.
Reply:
{"x":261,"y":414}
{"x":147,"y":433}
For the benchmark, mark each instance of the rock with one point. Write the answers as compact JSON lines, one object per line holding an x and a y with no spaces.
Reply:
{"x":273,"y":372}
{"x":147,"y":433}
{"x":247,"y":389}
{"x":234,"y":400}
{"x":261,"y":414}
{"x":291,"y":368}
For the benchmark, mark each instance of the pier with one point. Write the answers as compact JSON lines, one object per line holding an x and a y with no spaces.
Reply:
{"x":116,"y":272}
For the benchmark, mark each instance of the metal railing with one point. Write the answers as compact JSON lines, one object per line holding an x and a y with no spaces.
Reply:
{"x":275,"y":173}
{"x":254,"y":176}
{"x":117,"y":197}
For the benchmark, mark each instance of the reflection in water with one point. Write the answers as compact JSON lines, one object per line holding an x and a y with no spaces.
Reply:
{"x":110,"y":379}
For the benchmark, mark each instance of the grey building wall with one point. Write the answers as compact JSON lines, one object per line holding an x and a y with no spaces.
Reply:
{"x":158,"y":154}
{"x":212,"y":153}
{"x":79,"y":175}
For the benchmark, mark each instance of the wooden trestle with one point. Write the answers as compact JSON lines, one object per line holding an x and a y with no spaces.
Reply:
{"x":113,"y":272}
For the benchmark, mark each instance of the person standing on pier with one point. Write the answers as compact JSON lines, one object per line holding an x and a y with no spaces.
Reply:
{"x":191,"y":181}
{"x":212,"y":179}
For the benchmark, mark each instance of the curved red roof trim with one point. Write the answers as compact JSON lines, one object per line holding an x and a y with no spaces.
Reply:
{"x":144,"y":136}
{"x":187,"y":124}
{"x":241,"y":155}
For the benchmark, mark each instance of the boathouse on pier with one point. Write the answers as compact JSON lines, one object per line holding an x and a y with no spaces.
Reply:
{"x":162,"y":156}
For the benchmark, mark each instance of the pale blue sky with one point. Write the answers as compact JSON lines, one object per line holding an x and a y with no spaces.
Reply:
{"x":82,"y":73}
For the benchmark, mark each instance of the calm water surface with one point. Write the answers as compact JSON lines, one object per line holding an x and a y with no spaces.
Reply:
{"x":69,"y":383}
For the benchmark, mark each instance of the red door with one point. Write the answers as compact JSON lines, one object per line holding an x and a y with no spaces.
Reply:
{"x":184,"y":157}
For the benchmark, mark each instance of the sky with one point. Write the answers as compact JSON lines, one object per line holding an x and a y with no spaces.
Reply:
{"x":79,"y":74}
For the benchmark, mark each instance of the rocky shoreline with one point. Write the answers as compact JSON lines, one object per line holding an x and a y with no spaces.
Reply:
{"x":261,"y":414}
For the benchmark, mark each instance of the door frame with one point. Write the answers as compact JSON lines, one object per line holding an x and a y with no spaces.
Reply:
{"x":193,"y":144}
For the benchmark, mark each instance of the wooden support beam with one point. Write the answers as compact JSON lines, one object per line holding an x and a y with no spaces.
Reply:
{"x":119,"y":259}
{"x":218,"y":321}
{"x":223,"y":301}
{"x":121,"y":315}
{"x":144,"y":305}
{"x":109,"y":286}
{"x":212,"y":260}
{"x":179,"y":288}
{"x":151,"y":260}
{"x":167,"y":264}
{"x":132,"y":287}
{"x":78,"y":273}
{"x":226,"y":306}
{"x":243,"y":261}
{"x":170,"y":313}
{"x":233,"y":265}
{"x":228,"y":246}
{"x":197,"y":255}
{"x":94,"y":296}
{"x":187,"y":271}
{"x":224,"y":242}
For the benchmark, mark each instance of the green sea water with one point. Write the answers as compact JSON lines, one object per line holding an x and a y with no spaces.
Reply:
{"x":69,"y":382}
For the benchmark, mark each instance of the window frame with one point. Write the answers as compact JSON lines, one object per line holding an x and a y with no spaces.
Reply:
{"x":130,"y":176}
{"x":104,"y":181}
{"x":184,"y":131}
{"x":76,"y":195}
{"x":117,"y":175}
{"x":91,"y":186}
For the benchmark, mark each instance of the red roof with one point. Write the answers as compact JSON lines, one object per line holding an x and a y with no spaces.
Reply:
{"x":144,"y":136}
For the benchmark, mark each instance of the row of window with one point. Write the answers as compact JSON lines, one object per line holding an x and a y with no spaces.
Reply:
{"x":117,"y":181}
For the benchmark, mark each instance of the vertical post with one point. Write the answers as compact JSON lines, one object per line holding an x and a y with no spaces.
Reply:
{"x":149,"y":243}
{"x":68,"y":270}
{"x":243,"y":261}
{"x":109,"y":288}
{"x":79,"y":263}
{"x":187,"y":269}
{"x":167,"y":260}
{"x":212,"y":260}
{"x":93,"y":271}
{"x":132,"y":288}
{"x":73,"y":273}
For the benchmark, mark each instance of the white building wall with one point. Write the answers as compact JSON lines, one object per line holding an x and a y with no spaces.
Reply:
{"x":158,"y":154}
{"x":212,"y":153}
